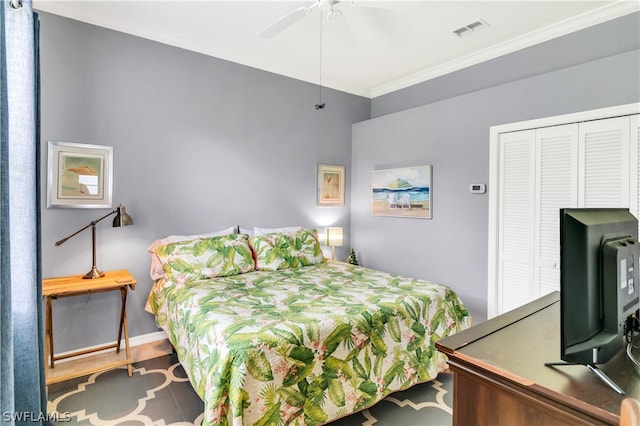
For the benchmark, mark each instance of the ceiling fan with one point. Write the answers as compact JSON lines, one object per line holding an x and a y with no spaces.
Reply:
{"x":327,"y":6}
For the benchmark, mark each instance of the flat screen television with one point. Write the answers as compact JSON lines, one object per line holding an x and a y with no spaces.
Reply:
{"x":599,"y":265}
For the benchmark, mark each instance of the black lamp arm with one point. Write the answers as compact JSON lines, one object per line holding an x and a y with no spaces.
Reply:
{"x":64,"y":240}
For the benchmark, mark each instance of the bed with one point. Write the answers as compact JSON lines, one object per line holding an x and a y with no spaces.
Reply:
{"x":269,"y":332}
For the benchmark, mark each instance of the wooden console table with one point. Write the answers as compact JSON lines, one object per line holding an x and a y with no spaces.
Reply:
{"x":500,"y":377}
{"x":75,"y":285}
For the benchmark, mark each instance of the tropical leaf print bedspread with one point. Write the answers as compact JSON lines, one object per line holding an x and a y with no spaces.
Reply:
{"x":305,"y":345}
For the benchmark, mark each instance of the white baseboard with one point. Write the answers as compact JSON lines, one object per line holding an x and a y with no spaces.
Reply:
{"x":133,"y":341}
{"x":147,"y":338}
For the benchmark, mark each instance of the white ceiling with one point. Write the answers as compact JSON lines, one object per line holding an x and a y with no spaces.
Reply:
{"x":373,"y":48}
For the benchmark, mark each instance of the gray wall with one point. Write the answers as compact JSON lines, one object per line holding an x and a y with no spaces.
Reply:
{"x":200,"y":144}
{"x":451,"y":132}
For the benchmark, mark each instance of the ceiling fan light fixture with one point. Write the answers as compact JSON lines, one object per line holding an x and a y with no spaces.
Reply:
{"x":323,"y":4}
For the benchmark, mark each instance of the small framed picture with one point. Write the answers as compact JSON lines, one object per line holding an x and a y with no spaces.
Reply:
{"x":79,"y":175}
{"x":330,"y":185}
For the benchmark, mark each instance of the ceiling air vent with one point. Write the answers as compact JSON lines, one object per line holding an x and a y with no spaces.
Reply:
{"x":472,"y":27}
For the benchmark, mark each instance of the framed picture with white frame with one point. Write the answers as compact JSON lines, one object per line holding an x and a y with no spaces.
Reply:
{"x":79,"y":175}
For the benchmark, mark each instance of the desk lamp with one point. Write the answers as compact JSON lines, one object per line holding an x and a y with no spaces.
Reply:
{"x":121,"y":219}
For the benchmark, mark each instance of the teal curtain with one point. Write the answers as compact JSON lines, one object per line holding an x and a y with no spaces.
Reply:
{"x":22,"y":381}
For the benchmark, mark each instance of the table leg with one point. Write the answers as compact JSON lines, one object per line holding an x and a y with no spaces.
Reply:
{"x":49,"y":332}
{"x":126,"y":345}
{"x":123,"y":325}
{"x":123,"y":294}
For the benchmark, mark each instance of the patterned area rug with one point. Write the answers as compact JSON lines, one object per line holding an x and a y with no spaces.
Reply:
{"x":159,"y":393}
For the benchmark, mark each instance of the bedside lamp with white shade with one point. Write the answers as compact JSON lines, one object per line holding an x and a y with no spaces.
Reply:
{"x":333,"y":239}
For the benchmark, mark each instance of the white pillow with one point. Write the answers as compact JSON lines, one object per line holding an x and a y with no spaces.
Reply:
{"x":156,"y":271}
{"x":285,"y":230}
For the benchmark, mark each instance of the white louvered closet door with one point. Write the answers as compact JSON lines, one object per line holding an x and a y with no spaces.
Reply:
{"x":542,"y":170}
{"x":556,"y":188}
{"x":604,"y":163}
{"x":515,"y":240}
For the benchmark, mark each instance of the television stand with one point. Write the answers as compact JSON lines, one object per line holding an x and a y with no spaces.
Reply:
{"x":593,"y":368}
{"x":500,"y":363}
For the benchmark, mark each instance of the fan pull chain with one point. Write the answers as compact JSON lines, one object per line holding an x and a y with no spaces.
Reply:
{"x":320,"y":104}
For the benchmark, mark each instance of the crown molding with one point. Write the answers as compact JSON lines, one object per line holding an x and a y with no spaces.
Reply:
{"x":585,"y":20}
{"x":161,"y":35}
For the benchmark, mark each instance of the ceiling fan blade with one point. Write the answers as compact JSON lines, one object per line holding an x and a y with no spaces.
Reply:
{"x":284,"y":22}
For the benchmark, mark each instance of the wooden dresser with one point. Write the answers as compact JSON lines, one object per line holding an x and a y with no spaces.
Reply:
{"x":500,"y":377}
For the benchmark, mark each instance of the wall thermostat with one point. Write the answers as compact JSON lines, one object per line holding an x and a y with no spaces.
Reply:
{"x":477,"y":188}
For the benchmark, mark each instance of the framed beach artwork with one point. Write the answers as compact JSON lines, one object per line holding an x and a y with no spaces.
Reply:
{"x":79,"y":175}
{"x":402,"y":192}
{"x":330,"y":185}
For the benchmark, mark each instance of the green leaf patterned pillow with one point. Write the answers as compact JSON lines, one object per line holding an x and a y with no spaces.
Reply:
{"x":282,"y":251}
{"x":205,"y":258}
